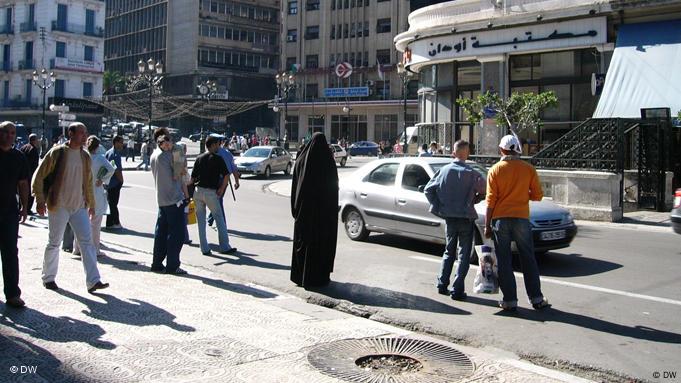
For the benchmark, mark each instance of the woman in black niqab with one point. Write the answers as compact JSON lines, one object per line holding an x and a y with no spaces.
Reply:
{"x":314,"y":205}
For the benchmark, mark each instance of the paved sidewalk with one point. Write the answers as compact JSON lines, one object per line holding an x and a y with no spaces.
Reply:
{"x":197,"y":328}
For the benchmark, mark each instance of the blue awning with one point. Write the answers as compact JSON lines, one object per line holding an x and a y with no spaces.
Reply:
{"x":645,"y":71}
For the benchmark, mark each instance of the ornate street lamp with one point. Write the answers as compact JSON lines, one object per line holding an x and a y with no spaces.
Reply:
{"x":405,"y":75}
{"x":286,"y":83}
{"x":44,"y":82}
{"x":207,"y":90}
{"x":149,"y":73}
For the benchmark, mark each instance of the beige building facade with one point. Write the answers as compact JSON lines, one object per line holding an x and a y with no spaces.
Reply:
{"x":319,"y":35}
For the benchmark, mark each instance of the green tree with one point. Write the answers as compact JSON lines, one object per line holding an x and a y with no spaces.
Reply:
{"x":114,"y":82}
{"x":519,"y":112}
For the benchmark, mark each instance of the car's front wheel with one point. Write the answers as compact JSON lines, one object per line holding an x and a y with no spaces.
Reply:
{"x":268,"y":172}
{"x":354,"y":225}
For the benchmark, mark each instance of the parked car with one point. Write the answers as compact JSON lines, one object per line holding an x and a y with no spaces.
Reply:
{"x":384,"y":196}
{"x":264,"y":160}
{"x":339,"y":154}
{"x":363,"y":148}
{"x":676,"y":212}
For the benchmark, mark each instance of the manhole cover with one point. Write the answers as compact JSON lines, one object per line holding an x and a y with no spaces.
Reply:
{"x":395,"y":360}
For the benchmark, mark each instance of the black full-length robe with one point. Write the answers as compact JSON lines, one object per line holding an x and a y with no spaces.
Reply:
{"x":314,"y":205}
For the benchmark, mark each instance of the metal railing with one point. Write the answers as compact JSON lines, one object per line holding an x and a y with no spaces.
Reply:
{"x":28,"y":26}
{"x":26,"y":64}
{"x":77,"y":29}
{"x":6,"y":66}
{"x":6,"y":29}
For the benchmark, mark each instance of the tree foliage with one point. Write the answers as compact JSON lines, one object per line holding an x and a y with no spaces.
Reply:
{"x":519,"y":112}
{"x":113,"y":82}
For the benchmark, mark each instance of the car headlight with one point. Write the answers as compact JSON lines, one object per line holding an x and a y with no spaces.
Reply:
{"x":568,"y":218}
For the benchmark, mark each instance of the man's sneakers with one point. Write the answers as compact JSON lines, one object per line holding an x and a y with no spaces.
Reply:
{"x":459,"y":297}
{"x":51,"y":285}
{"x":15,"y":302}
{"x":544,"y":304}
{"x":443,"y":291}
{"x":97,"y":286}
{"x":230,"y":251}
{"x":177,"y":271}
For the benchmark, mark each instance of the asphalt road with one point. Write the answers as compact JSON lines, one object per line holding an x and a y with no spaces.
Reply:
{"x":616,"y":292}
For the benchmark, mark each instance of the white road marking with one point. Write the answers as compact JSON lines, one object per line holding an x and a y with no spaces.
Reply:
{"x":577,"y":285}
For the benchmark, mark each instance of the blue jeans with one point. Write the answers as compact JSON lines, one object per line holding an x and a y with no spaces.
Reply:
{"x":168,"y":237}
{"x":208,"y":198}
{"x":459,"y":232}
{"x":519,"y":230}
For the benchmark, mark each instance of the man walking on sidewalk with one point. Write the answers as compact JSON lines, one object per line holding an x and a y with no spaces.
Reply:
{"x":511,"y":184}
{"x":113,"y":189}
{"x":32,"y":153}
{"x":13,"y":178}
{"x":64,"y":181}
{"x":169,"y":233}
{"x":452,"y":192}
{"x":208,"y":170}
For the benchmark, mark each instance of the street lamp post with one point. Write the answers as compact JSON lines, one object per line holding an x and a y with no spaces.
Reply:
{"x":286,"y":82}
{"x":44,"y":82}
{"x":346,"y":109}
{"x":207,"y":90}
{"x":405,"y":76}
{"x":149,"y":74}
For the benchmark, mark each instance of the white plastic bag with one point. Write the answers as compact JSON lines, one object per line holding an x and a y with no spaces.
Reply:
{"x":487,"y":277}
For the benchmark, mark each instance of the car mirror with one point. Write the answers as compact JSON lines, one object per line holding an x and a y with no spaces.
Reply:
{"x":273,"y":155}
{"x":421,"y":188}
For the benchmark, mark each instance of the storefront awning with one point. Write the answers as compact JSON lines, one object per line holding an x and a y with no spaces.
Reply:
{"x":644,"y":71}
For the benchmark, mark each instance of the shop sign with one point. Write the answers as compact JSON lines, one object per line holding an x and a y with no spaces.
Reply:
{"x":560,"y":35}
{"x":359,"y":91}
{"x":78,"y":65}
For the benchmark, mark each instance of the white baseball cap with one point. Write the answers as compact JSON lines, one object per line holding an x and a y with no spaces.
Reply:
{"x":510,"y":142}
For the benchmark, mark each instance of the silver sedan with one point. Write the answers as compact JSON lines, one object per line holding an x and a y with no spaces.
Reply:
{"x":264,"y":160}
{"x":385,"y":196}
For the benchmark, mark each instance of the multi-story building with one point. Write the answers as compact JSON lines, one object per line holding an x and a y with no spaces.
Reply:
{"x":66,"y":38}
{"x":319,"y":35}
{"x":234,"y":43}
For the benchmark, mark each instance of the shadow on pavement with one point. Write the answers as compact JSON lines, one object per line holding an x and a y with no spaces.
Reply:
{"x":258,"y":236}
{"x":636,"y":332}
{"x":573,"y":265}
{"x":128,"y":232}
{"x":47,"y":366}
{"x":233,"y":287}
{"x":54,"y":329}
{"x":406,"y":244}
{"x":380,"y":297}
{"x":245,"y":259}
{"x":137,"y":314}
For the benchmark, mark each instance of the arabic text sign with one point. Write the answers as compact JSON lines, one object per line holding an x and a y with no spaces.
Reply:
{"x":78,"y":65}
{"x":560,"y":35}
{"x":360,"y":91}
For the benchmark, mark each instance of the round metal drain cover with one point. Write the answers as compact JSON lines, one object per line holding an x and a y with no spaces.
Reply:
{"x":394,"y":360}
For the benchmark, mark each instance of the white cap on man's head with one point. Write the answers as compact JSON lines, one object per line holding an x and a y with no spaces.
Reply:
{"x":510,"y":142}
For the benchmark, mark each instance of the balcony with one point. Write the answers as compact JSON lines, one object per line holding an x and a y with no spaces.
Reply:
{"x":6,"y":29}
{"x":5,"y":66}
{"x":28,"y":26}
{"x":208,"y":64}
{"x":19,"y":104}
{"x":77,"y":29}
{"x":26,"y":64}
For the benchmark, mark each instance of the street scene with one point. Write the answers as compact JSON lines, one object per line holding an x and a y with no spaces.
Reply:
{"x":340,"y":191}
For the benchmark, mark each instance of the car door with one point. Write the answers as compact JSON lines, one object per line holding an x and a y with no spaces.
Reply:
{"x":279,"y":160}
{"x":412,"y":207}
{"x":375,"y":195}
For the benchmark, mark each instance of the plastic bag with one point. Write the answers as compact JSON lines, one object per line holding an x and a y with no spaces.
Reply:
{"x":487,"y":277}
{"x":191,"y":213}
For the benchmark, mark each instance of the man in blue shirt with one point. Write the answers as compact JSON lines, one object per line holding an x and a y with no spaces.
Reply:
{"x":452,"y":192}
{"x":113,"y":190}
{"x":231,"y":167}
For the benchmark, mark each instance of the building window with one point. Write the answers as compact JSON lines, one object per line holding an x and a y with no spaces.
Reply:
{"x":385,"y":127}
{"x":333,"y":32}
{"x":292,"y":7}
{"x":311,"y":92}
{"x":383,"y":56}
{"x":345,"y":31}
{"x":29,"y":88}
{"x":87,"y":89}
{"x":290,"y":62}
{"x":312,"y":32}
{"x":292,"y":35}
{"x":88,"y":53}
{"x":383,"y":25}
{"x":311,"y":61}
{"x":291,"y":127}
{"x":61,"y":49}
{"x":382,"y":89}
{"x":315,"y":124}
{"x":59,"y":88}
{"x":312,"y":5}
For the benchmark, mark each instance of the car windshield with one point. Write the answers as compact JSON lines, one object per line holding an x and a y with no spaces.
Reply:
{"x":257,"y":152}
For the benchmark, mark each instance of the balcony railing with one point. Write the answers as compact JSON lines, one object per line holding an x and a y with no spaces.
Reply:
{"x":28,"y":26}
{"x":19,"y":104}
{"x":77,"y":29}
{"x":209,"y":64}
{"x":6,"y":66}
{"x":6,"y":29}
{"x":26,"y":64}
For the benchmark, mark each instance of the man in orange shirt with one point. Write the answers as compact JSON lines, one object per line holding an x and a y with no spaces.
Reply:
{"x":511,"y":184}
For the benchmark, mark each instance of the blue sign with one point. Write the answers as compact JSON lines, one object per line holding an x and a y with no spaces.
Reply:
{"x":359,"y":91}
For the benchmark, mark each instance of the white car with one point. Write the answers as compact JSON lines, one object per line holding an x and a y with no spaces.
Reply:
{"x":339,"y":154}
